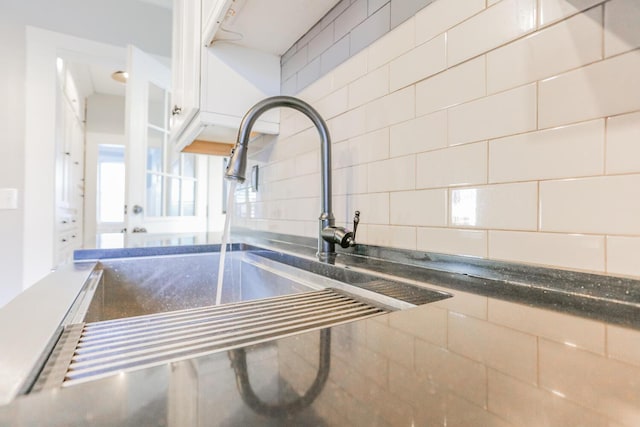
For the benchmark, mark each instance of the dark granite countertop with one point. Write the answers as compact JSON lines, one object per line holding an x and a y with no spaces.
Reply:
{"x":476,"y":359}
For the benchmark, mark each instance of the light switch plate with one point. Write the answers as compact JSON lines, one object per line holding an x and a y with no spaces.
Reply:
{"x":8,"y":198}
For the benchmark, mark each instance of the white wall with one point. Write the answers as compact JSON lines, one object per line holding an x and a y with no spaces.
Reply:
{"x":478,"y":130}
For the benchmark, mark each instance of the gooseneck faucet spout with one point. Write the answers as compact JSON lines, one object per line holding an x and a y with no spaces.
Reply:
{"x":328,"y":234}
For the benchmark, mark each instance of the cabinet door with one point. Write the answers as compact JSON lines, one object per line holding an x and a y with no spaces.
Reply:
{"x":185,"y":64}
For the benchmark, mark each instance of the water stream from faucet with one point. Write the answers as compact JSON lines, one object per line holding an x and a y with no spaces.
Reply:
{"x":225,"y":239}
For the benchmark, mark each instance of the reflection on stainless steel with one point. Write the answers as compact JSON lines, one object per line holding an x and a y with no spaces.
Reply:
{"x":329,"y":234}
{"x":238,"y":359}
{"x":102,"y":349}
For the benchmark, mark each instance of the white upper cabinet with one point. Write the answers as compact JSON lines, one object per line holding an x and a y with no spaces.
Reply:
{"x":226,"y":58}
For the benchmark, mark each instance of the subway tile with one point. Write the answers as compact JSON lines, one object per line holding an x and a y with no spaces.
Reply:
{"x":373,"y":207}
{"x":309,"y":73}
{"x":554,"y":10}
{"x":503,"y":114}
{"x":347,"y":125}
{"x":495,"y":26}
{"x":420,"y":134}
{"x":350,"y":70}
{"x":333,"y":104}
{"x":370,"y":30}
{"x":457,"y":85}
{"x":350,"y":180}
{"x":622,"y":255}
{"x":559,"y":327}
{"x":290,"y":86}
{"x":295,"y":63}
{"x":393,"y":236}
{"x":335,"y":55}
{"x":312,"y":93}
{"x":439,"y":16}
{"x":573,"y":251}
{"x":450,"y":371}
{"x":453,"y":241}
{"x":367,"y":88}
{"x":422,"y":61}
{"x":504,"y":349}
{"x":350,"y":18}
{"x":551,"y":51}
{"x":622,"y":32}
{"x":395,"y":174}
{"x":390,"y":109}
{"x":623,"y":144}
{"x":374,"y":5}
{"x":603,"y":385}
{"x":570,"y":151}
{"x":526,"y":406}
{"x":623,"y":344}
{"x":605,"y":88}
{"x":460,"y":165}
{"x":391,"y":45}
{"x":425,"y":208}
{"x":402,"y":10}
{"x":602,"y":205}
{"x":307,"y":163}
{"x":370,"y":147}
{"x":501,"y":206}
{"x":321,"y":42}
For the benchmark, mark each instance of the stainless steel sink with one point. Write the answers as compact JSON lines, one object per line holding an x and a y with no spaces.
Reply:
{"x":144,"y":312}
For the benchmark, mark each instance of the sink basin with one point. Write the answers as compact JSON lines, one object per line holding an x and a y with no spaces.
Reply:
{"x":143,"y":312}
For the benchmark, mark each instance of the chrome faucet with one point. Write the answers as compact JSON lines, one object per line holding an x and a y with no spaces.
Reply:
{"x":328,"y":234}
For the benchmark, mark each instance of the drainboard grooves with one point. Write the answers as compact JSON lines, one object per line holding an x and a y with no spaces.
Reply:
{"x":106,"y":348}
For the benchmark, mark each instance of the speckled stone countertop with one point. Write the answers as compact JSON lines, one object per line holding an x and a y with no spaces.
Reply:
{"x":476,"y":359}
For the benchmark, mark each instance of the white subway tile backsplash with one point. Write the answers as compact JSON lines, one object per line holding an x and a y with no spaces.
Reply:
{"x":395,"y":174}
{"x":421,"y":62}
{"x":424,"y":208}
{"x":350,"y":18}
{"x":370,"y":147}
{"x":505,"y":113}
{"x":347,"y":125}
{"x":391,"y":45}
{"x":462,"y":83}
{"x":561,"y":47}
{"x":321,"y":42}
{"x":367,"y":88}
{"x":601,"y":205}
{"x":390,"y":109}
{"x":460,"y":165}
{"x":605,"y":88}
{"x":439,"y":16}
{"x":453,"y":241}
{"x":420,"y":134}
{"x":622,"y":32}
{"x":393,"y":236}
{"x":501,"y":206}
{"x":373,"y":207}
{"x":623,"y":144}
{"x":350,"y":180}
{"x":493,"y":27}
{"x":334,"y":104}
{"x":623,"y":254}
{"x":350,"y":70}
{"x":574,"y":251}
{"x":555,"y":10}
{"x":570,"y":151}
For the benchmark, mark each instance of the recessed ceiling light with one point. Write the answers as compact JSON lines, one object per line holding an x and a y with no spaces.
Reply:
{"x":120,"y":76}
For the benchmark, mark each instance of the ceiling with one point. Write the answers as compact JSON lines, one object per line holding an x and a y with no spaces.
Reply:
{"x":95,"y":78}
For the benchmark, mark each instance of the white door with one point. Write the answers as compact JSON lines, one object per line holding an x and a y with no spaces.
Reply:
{"x":166,"y":191}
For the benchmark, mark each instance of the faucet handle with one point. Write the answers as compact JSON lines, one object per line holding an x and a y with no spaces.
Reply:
{"x":356,"y":221}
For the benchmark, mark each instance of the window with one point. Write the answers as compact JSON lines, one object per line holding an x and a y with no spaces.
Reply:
{"x":111,"y":184}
